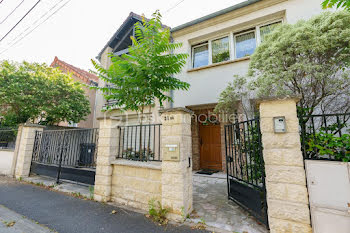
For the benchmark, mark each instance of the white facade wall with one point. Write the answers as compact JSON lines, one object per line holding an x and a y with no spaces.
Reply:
{"x":208,"y":83}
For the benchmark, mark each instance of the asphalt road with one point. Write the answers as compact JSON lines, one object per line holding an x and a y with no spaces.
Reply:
{"x":66,"y":214}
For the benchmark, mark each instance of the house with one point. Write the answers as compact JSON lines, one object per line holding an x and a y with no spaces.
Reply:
{"x":86,"y":78}
{"x":219,"y":45}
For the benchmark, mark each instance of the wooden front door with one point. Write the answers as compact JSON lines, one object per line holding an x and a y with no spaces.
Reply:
{"x":210,"y":147}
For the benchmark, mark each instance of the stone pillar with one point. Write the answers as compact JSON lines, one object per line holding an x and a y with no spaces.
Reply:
{"x":24,"y":149}
{"x":15,"y":152}
{"x":108,"y":142}
{"x":177,"y":173}
{"x":287,"y":197}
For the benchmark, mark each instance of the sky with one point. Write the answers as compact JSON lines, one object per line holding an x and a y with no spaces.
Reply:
{"x":79,"y":29}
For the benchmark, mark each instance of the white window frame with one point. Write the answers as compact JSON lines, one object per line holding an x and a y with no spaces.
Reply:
{"x":242,"y":33}
{"x":265,"y":24}
{"x":196,"y":46}
{"x":232,"y":41}
{"x":218,"y":38}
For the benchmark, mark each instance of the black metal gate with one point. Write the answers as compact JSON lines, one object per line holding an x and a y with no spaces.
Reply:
{"x":66,"y":154}
{"x":245,"y":167}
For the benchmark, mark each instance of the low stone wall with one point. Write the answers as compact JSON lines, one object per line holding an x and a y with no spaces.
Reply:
{"x":134,"y":183}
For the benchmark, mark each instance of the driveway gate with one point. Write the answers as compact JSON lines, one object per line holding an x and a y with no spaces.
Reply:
{"x":245,"y":167}
{"x":66,"y":154}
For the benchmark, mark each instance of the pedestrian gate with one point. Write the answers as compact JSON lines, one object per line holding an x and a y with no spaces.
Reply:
{"x":66,"y":154}
{"x":245,"y":167}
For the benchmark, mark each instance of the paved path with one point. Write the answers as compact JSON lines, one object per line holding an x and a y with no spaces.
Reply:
{"x":212,"y":205}
{"x":66,"y":214}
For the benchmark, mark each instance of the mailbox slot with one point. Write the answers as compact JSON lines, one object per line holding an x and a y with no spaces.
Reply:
{"x":171,"y":152}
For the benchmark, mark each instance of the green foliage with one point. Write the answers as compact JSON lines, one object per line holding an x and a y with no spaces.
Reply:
{"x":91,"y":192}
{"x":224,"y":56}
{"x":36,"y":92}
{"x":145,"y":74}
{"x":233,"y":97}
{"x":229,"y":99}
{"x":157,"y":212}
{"x":77,"y":194}
{"x":329,"y":145}
{"x":310,"y":59}
{"x":337,"y":3}
{"x":138,"y":155}
{"x":252,"y":148}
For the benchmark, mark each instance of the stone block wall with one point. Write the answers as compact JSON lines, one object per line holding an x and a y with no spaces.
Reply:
{"x":24,"y":150}
{"x":136,"y":183}
{"x":195,"y":144}
{"x":287,"y":196}
{"x":177,"y":174}
{"x":106,"y":153}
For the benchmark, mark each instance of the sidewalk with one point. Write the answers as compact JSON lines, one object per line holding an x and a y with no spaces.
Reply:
{"x":68,"y":214}
{"x":11,"y":222}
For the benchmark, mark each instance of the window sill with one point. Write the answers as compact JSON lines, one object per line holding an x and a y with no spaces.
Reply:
{"x":219,"y":64}
{"x":139,"y":164}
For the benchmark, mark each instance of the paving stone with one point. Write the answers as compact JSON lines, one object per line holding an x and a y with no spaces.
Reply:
{"x":212,"y":206}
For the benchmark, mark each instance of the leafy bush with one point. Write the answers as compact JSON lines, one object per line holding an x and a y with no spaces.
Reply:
{"x":144,"y":154}
{"x":157,"y":212}
{"x":330,"y":145}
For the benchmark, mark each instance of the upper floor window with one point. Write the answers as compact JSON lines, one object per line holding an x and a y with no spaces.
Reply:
{"x":264,"y":30}
{"x":220,"y":50}
{"x":200,"y":55}
{"x":245,"y":44}
{"x":232,"y":46}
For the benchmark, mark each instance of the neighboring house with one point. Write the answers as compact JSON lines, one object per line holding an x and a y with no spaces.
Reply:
{"x":219,"y":45}
{"x":86,"y":78}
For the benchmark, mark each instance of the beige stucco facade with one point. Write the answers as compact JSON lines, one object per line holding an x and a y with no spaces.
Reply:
{"x":208,"y":82}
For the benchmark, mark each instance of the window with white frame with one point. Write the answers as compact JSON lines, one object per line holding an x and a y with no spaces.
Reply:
{"x":220,"y":49}
{"x":233,"y":46}
{"x":200,"y":55}
{"x":245,"y":44}
{"x":266,"y":29}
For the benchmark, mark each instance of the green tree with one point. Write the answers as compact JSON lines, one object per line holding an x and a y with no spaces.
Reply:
{"x":338,"y":3}
{"x":145,"y":75}
{"x":236,"y":93}
{"x":32,"y":92}
{"x":309,"y":59}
